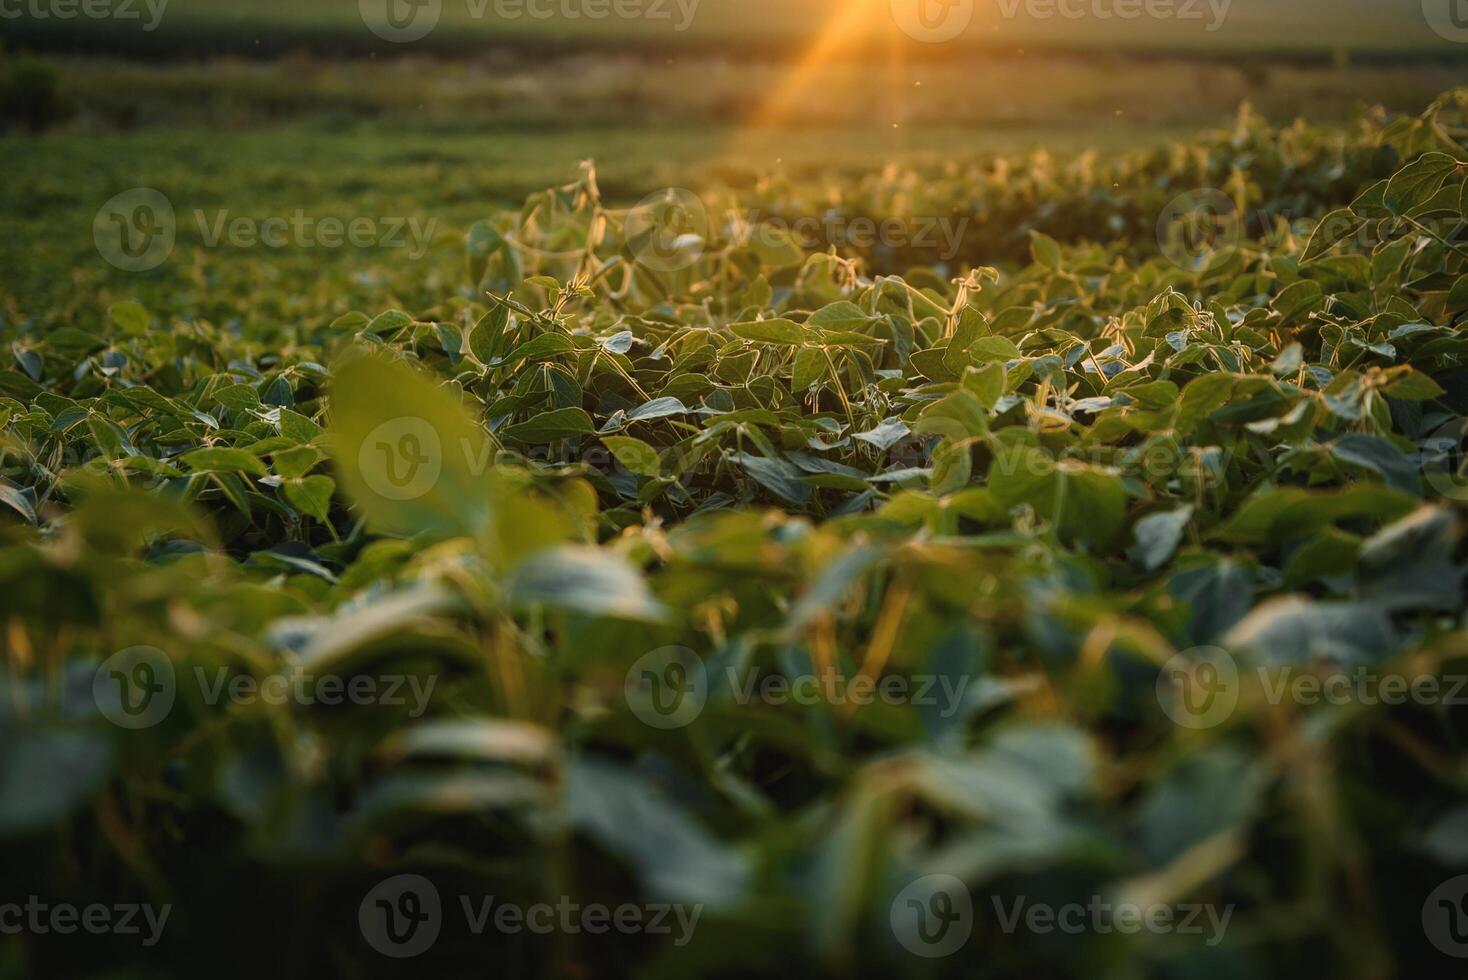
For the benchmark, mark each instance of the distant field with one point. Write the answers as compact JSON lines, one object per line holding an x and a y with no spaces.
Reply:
{"x":1066,"y":93}
{"x":760,"y":27}
{"x":445,"y":181}
{"x":453,"y":142}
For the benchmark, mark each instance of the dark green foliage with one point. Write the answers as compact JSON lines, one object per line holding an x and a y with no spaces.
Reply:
{"x":1031,"y":488}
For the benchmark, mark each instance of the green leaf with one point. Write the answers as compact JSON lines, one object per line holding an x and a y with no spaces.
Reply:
{"x":1379,"y":455}
{"x":1045,"y":250}
{"x":634,"y":454}
{"x":406,"y":451}
{"x":18,"y":500}
{"x":311,"y":495}
{"x":1333,"y":229}
{"x":129,"y":317}
{"x":1414,"y":386}
{"x":842,"y":315}
{"x":224,"y":460}
{"x":885,"y":435}
{"x":489,"y":335}
{"x":676,"y":859}
{"x":1416,"y":183}
{"x":563,"y":423}
{"x":810,"y":366}
{"x":776,"y":331}
{"x":776,"y":476}
{"x":658,"y":408}
{"x":1294,"y":630}
{"x":1157,"y":536}
{"x":986,"y":383}
{"x":588,"y":581}
{"x":46,"y":775}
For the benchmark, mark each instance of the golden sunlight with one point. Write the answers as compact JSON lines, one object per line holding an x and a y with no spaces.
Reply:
{"x":854,"y":24}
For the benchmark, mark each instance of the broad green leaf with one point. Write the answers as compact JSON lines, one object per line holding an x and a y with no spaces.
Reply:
{"x":588,"y":581}
{"x":776,"y":331}
{"x":406,"y":451}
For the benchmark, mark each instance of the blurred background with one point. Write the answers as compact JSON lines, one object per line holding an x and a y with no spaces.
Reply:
{"x":448,"y":110}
